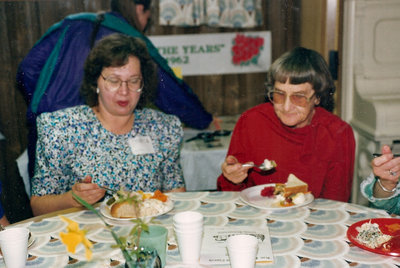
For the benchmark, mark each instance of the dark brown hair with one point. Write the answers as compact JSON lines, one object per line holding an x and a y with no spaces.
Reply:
{"x":302,"y":65}
{"x":127,"y":8}
{"x":114,"y":51}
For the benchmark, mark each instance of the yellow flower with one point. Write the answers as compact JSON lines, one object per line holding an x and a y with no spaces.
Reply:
{"x":74,"y":237}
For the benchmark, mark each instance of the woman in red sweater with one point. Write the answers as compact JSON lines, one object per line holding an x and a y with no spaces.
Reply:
{"x":296,"y":129}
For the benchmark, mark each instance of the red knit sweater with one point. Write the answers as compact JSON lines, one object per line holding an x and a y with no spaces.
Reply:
{"x":321,"y":154}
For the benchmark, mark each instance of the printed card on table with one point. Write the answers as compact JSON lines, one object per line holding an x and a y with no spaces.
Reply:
{"x":214,"y":249}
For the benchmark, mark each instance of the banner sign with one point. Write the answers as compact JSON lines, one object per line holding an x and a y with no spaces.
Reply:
{"x":220,"y":53}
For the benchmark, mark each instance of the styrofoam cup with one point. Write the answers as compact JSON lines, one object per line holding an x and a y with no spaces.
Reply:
{"x":188,"y":218}
{"x":14,"y":246}
{"x":242,"y":250}
{"x":189,"y":244}
{"x":188,"y":228}
{"x":194,"y":232}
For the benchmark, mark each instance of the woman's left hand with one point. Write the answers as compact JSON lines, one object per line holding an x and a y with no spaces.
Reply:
{"x":387,"y":168}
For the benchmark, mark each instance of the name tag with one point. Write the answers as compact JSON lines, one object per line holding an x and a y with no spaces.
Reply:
{"x":141,"y":145}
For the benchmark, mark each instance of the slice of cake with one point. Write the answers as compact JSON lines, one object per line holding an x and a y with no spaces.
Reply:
{"x":293,"y":186}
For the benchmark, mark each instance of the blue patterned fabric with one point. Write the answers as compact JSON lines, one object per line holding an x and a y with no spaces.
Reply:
{"x":72,"y":143}
{"x":390,"y":204}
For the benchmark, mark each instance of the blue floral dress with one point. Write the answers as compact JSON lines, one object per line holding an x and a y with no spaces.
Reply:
{"x":72,"y":143}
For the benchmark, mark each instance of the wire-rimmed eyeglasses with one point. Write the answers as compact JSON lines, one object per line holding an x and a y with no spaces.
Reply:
{"x":134,"y":84}
{"x":298,"y":99}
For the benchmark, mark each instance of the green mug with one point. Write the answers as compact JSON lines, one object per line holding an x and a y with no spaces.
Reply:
{"x":156,"y":238}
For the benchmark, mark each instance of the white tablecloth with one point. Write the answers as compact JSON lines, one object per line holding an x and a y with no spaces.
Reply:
{"x":201,"y":164}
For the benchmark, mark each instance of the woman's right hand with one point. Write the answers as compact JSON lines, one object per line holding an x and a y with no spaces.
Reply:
{"x":88,"y":191}
{"x":387,"y":168}
{"x":233,"y":170}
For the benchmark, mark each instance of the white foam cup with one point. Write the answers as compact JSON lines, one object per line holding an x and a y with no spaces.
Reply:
{"x":192,"y":232}
{"x":188,"y":228}
{"x":242,"y":250}
{"x":14,"y":246}
{"x":189,"y":244}
{"x":188,"y":218}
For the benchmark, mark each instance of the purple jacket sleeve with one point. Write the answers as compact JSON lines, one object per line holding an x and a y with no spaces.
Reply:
{"x":30,"y":67}
{"x":178,"y":99}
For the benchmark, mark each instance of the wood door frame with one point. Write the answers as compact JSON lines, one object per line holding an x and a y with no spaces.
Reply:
{"x":322,"y":31}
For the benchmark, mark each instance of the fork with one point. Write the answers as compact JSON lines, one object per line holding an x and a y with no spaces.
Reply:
{"x":108,"y":189}
{"x":101,"y":186}
{"x":377,"y":155}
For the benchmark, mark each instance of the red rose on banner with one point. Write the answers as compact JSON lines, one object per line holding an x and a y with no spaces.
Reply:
{"x":246,"y":49}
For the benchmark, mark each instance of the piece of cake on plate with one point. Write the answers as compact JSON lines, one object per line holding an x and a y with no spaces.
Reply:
{"x":289,"y":193}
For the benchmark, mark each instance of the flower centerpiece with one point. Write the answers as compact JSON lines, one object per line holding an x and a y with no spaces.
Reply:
{"x":134,"y":255}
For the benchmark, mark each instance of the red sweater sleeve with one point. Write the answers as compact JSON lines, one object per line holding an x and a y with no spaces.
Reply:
{"x":237,"y":147}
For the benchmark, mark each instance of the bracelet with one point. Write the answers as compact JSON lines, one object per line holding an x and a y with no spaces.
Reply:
{"x":384,"y":189}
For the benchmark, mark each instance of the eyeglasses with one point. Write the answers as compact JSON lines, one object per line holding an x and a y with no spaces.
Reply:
{"x":279,"y":97}
{"x":113,"y":83}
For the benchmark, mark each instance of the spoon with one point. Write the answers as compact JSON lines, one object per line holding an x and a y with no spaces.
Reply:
{"x":262,"y":166}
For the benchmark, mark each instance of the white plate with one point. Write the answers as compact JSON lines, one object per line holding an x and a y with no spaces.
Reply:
{"x":105,"y":210}
{"x":252,"y":196}
{"x":31,"y":240}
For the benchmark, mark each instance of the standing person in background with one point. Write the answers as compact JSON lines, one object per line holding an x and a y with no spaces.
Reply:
{"x":51,"y":74}
{"x":381,"y":187}
{"x":113,"y":140}
{"x":296,"y":129}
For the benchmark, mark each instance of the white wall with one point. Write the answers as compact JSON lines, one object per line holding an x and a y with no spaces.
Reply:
{"x":371,"y":78}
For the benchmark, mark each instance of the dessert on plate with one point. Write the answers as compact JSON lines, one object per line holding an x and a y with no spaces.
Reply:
{"x":287,"y":194}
